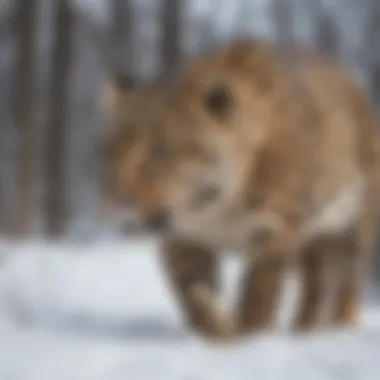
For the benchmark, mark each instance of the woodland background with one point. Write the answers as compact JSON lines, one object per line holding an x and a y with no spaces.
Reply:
{"x":51,"y":71}
{"x":79,"y":301}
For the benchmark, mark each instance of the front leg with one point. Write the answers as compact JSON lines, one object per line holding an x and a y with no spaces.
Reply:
{"x":313,"y":262}
{"x":260,"y":294}
{"x":194,"y":274}
{"x":353,"y":255}
{"x":261,"y":286}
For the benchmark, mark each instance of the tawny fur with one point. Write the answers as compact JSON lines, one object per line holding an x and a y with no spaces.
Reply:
{"x":274,"y":160}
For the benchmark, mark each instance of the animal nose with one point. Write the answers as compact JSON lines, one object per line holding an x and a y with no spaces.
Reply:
{"x":158,"y":222}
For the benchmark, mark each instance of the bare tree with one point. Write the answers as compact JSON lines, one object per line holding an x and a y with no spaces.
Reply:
{"x":283,"y":21}
{"x":326,"y":33}
{"x":372,"y":50}
{"x":171,"y":36}
{"x":372,"y":57}
{"x":23,"y":114}
{"x":120,"y":35}
{"x":56,"y":123}
{"x":327,"y":38}
{"x":207,"y":36}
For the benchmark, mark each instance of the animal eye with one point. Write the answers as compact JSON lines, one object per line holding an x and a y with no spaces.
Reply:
{"x":218,"y":100}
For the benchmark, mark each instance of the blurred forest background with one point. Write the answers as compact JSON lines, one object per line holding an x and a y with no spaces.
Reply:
{"x":51,"y":76}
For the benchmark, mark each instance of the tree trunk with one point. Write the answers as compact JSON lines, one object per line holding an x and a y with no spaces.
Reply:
{"x":171,"y":38}
{"x":23,"y":114}
{"x":57,"y":120}
{"x":373,"y":65}
{"x":117,"y":44}
{"x":121,"y":36}
{"x":283,"y":22}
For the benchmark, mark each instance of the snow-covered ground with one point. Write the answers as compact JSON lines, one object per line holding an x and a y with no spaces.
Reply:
{"x":104,"y":311}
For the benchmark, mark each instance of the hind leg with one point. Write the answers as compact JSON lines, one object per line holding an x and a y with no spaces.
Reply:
{"x":274,"y":248}
{"x":260,"y":294}
{"x":194,"y":275}
{"x":312,"y":267}
{"x":351,"y":260}
{"x":262,"y":282}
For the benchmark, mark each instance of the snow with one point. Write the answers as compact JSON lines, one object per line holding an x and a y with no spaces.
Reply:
{"x":103,"y":310}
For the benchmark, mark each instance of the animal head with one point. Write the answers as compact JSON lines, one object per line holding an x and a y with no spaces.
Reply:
{"x":127,"y":175}
{"x":185,"y":153}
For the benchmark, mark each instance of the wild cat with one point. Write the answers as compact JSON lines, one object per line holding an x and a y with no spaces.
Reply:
{"x":240,"y":153}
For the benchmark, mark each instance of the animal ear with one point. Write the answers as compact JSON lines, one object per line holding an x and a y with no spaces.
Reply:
{"x":116,"y":91}
{"x":219,"y":100}
{"x":124,"y":82}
